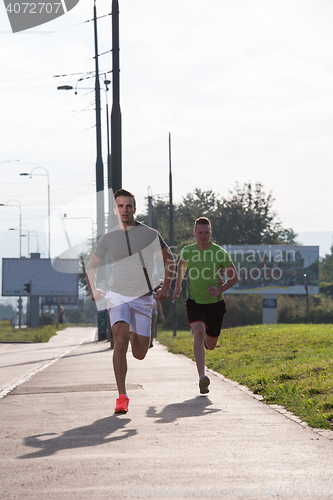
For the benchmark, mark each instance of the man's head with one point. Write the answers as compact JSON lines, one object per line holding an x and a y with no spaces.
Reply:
{"x":202,"y":221}
{"x":202,"y":231}
{"x":125,"y":207}
{"x":123,"y":192}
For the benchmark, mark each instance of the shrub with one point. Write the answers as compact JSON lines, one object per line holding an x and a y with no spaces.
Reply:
{"x":326,"y":289}
{"x":293,"y":309}
{"x":242,"y":310}
{"x":75,"y":317}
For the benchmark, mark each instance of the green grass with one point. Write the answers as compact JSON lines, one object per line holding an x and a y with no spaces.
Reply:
{"x":289,"y":365}
{"x":41,"y":334}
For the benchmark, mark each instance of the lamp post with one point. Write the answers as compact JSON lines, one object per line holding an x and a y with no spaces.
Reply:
{"x":22,"y":235}
{"x":36,"y":234}
{"x":99,"y":161}
{"x":20,"y":209}
{"x":115,"y":180}
{"x":307,"y":297}
{"x":48,"y":200}
{"x":150,"y":207}
{"x":109,"y":164}
{"x":171,"y":238}
{"x":92,"y":223}
{"x":99,"y":168}
{"x":106,"y":83}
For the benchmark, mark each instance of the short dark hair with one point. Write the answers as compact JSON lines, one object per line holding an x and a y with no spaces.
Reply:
{"x":203,"y":221}
{"x":123,"y":192}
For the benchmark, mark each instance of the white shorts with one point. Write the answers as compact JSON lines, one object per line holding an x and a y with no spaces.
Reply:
{"x":136,"y":313}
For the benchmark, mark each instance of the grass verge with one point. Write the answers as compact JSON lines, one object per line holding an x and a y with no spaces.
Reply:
{"x":289,"y":365}
{"x":41,"y":334}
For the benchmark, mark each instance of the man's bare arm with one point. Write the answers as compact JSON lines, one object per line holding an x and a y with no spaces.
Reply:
{"x":231,"y":281}
{"x":96,"y":293}
{"x":169,"y":271}
{"x":182,"y":266}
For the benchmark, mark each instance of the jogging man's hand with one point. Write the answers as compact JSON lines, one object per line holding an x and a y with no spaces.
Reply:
{"x":162,"y":294}
{"x":97,"y":294}
{"x":214,"y":291}
{"x":176,"y":292}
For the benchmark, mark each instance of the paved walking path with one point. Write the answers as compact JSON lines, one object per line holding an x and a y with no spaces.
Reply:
{"x":60,"y":438}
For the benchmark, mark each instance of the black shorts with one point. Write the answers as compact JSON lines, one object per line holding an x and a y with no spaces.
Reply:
{"x":210,"y":314}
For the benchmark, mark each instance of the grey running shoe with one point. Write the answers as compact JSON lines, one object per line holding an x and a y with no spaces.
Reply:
{"x":203,"y":384}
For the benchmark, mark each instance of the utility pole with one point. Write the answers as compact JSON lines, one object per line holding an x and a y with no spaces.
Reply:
{"x":99,"y":161}
{"x":100,"y":210}
{"x":115,"y":164}
{"x":150,"y":207}
{"x":115,"y":176}
{"x":171,"y":238}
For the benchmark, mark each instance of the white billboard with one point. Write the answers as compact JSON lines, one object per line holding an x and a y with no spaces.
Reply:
{"x":43,"y":278}
{"x":275,"y":269}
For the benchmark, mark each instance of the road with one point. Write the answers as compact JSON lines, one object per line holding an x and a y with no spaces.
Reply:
{"x":19,"y":362}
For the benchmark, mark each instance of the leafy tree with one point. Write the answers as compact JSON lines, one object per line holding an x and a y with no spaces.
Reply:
{"x":7,"y":311}
{"x":199,"y":204}
{"x":245,"y":217}
{"x":326,"y":268}
{"x":161,"y":220}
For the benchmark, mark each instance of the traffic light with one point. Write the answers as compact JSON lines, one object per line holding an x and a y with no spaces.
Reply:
{"x":27,"y":287}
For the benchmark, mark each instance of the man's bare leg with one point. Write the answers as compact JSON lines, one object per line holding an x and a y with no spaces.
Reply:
{"x":121,"y":335}
{"x":199,"y":332}
{"x":211,"y":342}
{"x":140,"y":345}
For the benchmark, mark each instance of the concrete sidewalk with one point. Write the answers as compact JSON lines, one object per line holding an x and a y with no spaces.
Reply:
{"x":60,"y":438}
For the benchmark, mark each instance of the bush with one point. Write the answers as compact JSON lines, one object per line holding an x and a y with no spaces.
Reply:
{"x":182,"y":323}
{"x":90,"y":311}
{"x":75,"y":317}
{"x":293,"y":309}
{"x":45,"y":319}
{"x":242,"y":310}
{"x":326,"y":288}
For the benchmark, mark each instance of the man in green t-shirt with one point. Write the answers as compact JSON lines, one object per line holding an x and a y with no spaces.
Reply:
{"x":206,"y":263}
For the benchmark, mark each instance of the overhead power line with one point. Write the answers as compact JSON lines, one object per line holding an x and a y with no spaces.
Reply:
{"x":54,"y":31}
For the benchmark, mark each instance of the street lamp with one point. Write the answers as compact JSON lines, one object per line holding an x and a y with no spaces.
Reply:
{"x":36,"y":234}
{"x":48,"y":198}
{"x":29,"y":233}
{"x":22,"y":235}
{"x":106,"y":83}
{"x":110,"y":196}
{"x":92,"y":223}
{"x":20,"y":209}
{"x":65,"y":87}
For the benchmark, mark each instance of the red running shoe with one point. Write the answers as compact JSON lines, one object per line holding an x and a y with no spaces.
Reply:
{"x":122,"y":404}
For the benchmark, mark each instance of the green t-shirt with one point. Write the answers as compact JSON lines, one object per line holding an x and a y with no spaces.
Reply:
{"x":203,"y":271}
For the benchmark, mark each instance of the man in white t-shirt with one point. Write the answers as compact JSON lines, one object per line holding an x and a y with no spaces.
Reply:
{"x":132,"y":247}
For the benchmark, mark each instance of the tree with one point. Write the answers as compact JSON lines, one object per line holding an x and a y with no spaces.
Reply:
{"x":245,"y":217}
{"x":7,"y":311}
{"x":326,"y":268}
{"x":199,"y":204}
{"x":161,"y":219}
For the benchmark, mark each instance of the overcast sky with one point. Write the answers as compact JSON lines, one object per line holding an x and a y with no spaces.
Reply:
{"x":243,"y":86}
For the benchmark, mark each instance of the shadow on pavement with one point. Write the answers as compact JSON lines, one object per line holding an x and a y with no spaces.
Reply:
{"x":190,"y":408}
{"x":94,"y":434}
